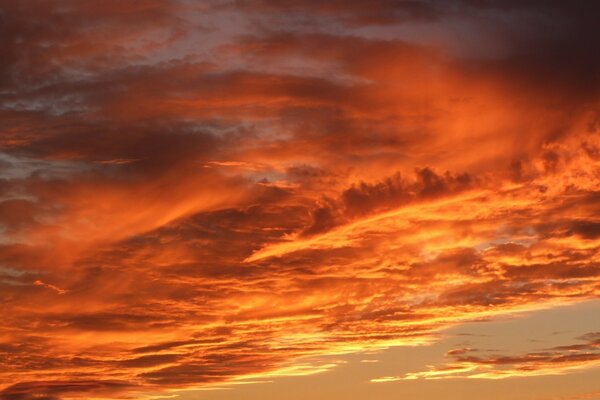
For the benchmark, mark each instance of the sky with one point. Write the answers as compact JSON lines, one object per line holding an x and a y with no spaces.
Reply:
{"x":291,"y":199}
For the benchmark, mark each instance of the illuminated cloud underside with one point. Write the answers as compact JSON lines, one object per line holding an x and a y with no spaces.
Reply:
{"x":467,"y":363}
{"x":202,"y":195}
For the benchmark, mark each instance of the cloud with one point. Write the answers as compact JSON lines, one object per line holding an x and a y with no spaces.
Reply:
{"x":55,"y":389}
{"x":475,"y":364}
{"x":187,"y":203}
{"x":363,"y":198}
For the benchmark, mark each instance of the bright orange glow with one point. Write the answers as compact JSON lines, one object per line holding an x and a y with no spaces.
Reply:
{"x":201,"y":196}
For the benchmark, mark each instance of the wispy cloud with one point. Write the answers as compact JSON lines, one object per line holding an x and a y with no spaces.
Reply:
{"x":186,"y":202}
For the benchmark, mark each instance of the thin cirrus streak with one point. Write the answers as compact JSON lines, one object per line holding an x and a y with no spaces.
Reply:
{"x":467,"y":363}
{"x":202,"y":195}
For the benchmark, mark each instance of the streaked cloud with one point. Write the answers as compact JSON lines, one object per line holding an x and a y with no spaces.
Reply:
{"x":476,"y":364}
{"x":309,"y":182}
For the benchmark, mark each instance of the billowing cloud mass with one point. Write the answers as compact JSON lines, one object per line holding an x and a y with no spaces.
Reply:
{"x":197,"y":194}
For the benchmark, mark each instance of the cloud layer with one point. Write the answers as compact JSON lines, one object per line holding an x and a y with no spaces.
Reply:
{"x":201,"y":194}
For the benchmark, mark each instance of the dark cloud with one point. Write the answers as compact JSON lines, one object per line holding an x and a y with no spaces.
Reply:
{"x":478,"y":363}
{"x":53,"y":390}
{"x":43,"y":39}
{"x":150,"y":360}
{"x":586,"y":229}
{"x":367,"y":198}
{"x":353,"y":13}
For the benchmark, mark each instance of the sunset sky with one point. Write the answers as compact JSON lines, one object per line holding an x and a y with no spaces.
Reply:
{"x":299,"y":199}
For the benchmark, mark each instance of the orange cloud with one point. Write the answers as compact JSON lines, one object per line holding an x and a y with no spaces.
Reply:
{"x":468,"y":363}
{"x":186,"y":204}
